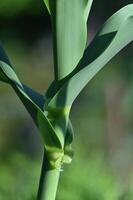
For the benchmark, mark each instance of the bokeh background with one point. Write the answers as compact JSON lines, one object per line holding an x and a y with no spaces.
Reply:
{"x":102,"y":115}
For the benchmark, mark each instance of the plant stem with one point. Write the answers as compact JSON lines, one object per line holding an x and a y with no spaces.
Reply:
{"x":48,"y":181}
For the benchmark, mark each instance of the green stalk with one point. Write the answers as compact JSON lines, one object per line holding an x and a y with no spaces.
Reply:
{"x":48,"y":181}
{"x":50,"y":177}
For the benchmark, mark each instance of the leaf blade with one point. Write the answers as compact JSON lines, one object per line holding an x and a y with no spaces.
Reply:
{"x":33,"y":102}
{"x":119,"y":29}
{"x":69,"y":20}
{"x":47,"y":5}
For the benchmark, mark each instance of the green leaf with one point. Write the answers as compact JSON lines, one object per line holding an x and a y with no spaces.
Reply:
{"x":70,"y":33}
{"x":88,"y":4}
{"x":47,"y":4}
{"x":37,"y":98}
{"x":69,"y":44}
{"x":33,"y":102}
{"x":115,"y":34}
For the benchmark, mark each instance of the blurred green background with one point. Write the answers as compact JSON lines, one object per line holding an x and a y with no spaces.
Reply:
{"x":102,"y":115}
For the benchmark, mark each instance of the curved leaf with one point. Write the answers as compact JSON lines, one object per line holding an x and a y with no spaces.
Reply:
{"x":116,"y":33}
{"x":33,"y":102}
{"x":47,"y":4}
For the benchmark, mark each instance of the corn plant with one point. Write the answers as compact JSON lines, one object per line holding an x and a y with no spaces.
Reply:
{"x":74,"y":66}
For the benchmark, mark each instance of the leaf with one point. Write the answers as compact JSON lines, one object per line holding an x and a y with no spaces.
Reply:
{"x":33,"y":101}
{"x":116,"y":33}
{"x":47,"y":4}
{"x":88,"y":4}
{"x":69,"y":33}
{"x":37,"y":98}
{"x":70,"y":40}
